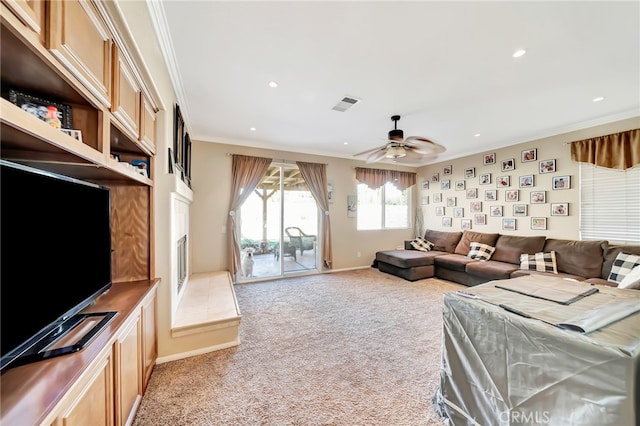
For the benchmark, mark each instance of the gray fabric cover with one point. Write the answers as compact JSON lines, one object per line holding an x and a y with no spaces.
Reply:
{"x":510,"y":247}
{"x":522,"y":273}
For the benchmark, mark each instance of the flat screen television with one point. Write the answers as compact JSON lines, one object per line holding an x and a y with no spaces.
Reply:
{"x":55,"y":260}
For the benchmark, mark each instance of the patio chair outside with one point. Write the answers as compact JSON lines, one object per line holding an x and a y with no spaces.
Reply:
{"x":300,"y":240}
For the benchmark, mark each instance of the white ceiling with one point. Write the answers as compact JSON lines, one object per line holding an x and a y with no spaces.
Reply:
{"x":445,"y":67}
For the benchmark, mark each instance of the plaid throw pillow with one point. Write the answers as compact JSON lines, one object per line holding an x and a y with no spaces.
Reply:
{"x":623,"y":264}
{"x":421,"y":244}
{"x":541,"y":262}
{"x":480,"y":251}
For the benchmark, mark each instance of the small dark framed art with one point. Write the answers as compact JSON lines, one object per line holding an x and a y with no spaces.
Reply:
{"x":58,"y":114}
{"x":529,"y":155}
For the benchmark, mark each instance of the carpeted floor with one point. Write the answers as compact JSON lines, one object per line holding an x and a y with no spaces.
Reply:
{"x":349,"y":348}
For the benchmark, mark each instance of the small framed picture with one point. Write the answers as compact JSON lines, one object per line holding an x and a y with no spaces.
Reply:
{"x":561,"y":182}
{"x":503,"y":181}
{"x":424,"y":199}
{"x":465,"y":224}
{"x":437,"y":198}
{"x":485,"y":179}
{"x":539,"y":223}
{"x":509,"y":224}
{"x":445,"y":184}
{"x":472,"y":193}
{"x":458,"y":212}
{"x":440,"y":211}
{"x":488,"y":159}
{"x":425,"y":185}
{"x":451,"y":201}
{"x":446,"y":221}
{"x":480,"y":219}
{"x":548,"y":166}
{"x":559,"y":209}
{"x":475,"y":206}
{"x":519,"y":209}
{"x":496,"y":211}
{"x":460,"y":185}
{"x":526,"y":181}
{"x":447,"y":170}
{"x":529,"y":155}
{"x":470,"y":173}
{"x":435,"y":177}
{"x":508,"y":164}
{"x":76,"y":134}
{"x":491,"y":195}
{"x":511,"y":195}
{"x":43,"y":108}
{"x":538,"y":197}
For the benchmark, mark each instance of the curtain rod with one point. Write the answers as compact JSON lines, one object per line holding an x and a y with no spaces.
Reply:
{"x":275,"y":160}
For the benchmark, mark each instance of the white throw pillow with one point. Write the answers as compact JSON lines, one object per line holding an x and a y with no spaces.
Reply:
{"x":479,"y":251}
{"x":632,"y":279}
{"x":622,"y":266}
{"x":541,"y":262}
{"x":421,"y":244}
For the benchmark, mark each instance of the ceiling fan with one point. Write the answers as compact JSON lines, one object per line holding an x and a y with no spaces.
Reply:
{"x":411,"y":149}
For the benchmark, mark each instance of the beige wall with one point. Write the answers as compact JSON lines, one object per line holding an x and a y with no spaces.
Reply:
{"x":555,"y":147}
{"x":211,"y":186}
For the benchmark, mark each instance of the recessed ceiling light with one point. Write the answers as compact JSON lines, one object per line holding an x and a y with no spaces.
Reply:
{"x":518,"y":53}
{"x":346,"y":143}
{"x":477,"y":135}
{"x":253,"y":129}
{"x":273,"y":84}
{"x":598,"y":99}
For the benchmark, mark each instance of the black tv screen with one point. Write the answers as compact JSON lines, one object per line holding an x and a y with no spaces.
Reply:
{"x":55,"y":254}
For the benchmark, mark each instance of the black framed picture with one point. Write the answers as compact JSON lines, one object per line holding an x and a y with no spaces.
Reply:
{"x":42,"y":108}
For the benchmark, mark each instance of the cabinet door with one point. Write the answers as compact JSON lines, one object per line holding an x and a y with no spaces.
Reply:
{"x":149,"y":342}
{"x":128,"y":372}
{"x":30,"y":12}
{"x":93,"y":404}
{"x":125,"y":104}
{"x":79,"y":38}
{"x":148,"y":125}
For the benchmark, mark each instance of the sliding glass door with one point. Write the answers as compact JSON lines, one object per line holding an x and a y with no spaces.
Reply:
{"x":279,"y":226}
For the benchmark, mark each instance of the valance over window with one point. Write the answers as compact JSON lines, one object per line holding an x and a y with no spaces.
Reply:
{"x":617,"y":151}
{"x":375,"y":178}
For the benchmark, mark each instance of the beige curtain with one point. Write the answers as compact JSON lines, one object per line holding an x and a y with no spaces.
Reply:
{"x":246,"y":174}
{"x":315,"y":175}
{"x":375,"y":178}
{"x":616,"y":151}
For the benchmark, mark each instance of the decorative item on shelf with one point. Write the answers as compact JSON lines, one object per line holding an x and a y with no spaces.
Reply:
{"x":76,"y":134}
{"x":115,"y":157}
{"x":56,"y":114}
{"x":142,"y":167}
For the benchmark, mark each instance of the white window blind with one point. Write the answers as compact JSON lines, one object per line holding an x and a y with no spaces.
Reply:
{"x":609,"y":204}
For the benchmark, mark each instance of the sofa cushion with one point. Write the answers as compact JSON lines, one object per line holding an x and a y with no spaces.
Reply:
{"x":541,"y":262}
{"x":622,"y":266}
{"x":510,"y":247}
{"x":455,"y":262}
{"x":444,"y":241}
{"x":491,"y":269}
{"x":479,"y":237}
{"x":479,"y":251}
{"x":581,"y":258}
{"x":406,"y":258}
{"x":421,"y":244}
{"x":611,"y":251}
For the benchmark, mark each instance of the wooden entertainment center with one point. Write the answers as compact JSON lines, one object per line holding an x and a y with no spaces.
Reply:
{"x":78,"y":55}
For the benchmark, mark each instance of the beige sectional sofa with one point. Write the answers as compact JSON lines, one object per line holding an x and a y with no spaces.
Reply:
{"x":589,"y":261}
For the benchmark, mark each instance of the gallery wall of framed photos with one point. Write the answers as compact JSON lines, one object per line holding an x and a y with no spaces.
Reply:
{"x":526,"y":189}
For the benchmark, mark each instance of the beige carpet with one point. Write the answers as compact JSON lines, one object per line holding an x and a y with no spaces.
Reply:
{"x":350,"y":348}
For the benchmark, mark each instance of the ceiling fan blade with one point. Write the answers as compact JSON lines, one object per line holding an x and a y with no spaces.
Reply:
{"x":377,"y":156}
{"x":424,"y":145}
{"x":382,"y":148}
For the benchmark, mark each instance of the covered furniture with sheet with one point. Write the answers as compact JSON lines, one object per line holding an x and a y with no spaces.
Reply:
{"x":540,"y":350}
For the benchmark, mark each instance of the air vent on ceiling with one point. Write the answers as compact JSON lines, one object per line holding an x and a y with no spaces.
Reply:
{"x":346,"y":103}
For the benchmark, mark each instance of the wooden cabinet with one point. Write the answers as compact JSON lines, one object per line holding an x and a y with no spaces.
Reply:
{"x":70,"y":53}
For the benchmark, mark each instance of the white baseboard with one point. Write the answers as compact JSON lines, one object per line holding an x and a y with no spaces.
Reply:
{"x":199,"y":351}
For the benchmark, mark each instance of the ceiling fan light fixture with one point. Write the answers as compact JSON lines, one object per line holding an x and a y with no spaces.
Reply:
{"x":395,"y":152}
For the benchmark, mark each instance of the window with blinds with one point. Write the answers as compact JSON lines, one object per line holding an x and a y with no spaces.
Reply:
{"x":609,"y":204}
